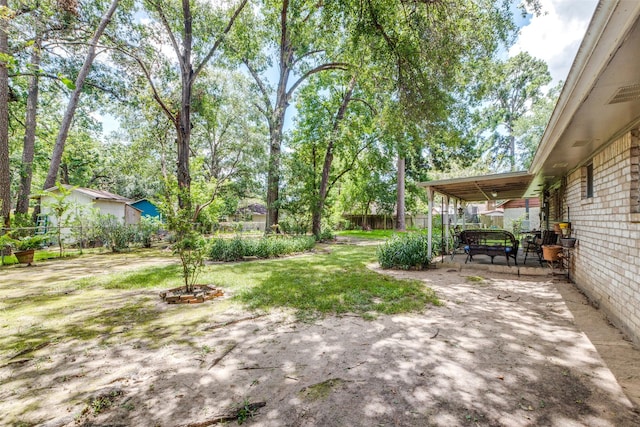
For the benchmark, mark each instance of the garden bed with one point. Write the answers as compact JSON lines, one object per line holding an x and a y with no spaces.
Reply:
{"x":200,"y":294}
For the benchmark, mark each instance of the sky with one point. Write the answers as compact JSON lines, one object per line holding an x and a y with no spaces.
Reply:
{"x":555,"y":36}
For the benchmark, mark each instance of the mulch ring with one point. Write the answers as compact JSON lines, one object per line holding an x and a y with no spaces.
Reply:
{"x":200,"y":293}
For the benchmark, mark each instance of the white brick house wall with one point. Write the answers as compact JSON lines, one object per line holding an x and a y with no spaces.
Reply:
{"x":606,"y":261}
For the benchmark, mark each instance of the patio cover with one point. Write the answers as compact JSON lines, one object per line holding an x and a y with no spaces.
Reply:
{"x":501,"y":186}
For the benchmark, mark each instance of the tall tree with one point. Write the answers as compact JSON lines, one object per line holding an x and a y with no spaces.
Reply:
{"x":28,"y":150}
{"x":328,"y":157}
{"x":74,"y":98}
{"x":303,"y":42}
{"x":333,"y":128}
{"x":529,"y":128}
{"x":43,"y":23}
{"x":400,"y":206}
{"x":192,"y":53}
{"x":228,"y":136}
{"x":517,"y":84}
{"x":434,"y":53}
{"x":5,"y":176}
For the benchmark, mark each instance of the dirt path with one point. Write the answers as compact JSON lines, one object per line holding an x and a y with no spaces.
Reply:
{"x":19,"y":279}
{"x":500,"y":351}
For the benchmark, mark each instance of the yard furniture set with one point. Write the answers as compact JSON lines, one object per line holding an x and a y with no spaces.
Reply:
{"x":489,"y":242}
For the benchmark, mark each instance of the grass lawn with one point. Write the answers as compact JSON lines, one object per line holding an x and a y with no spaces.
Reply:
{"x":372,"y":234}
{"x":52,"y":253}
{"x":126,"y":306}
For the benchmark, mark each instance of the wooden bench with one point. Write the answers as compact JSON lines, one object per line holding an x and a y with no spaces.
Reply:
{"x":489,"y":242}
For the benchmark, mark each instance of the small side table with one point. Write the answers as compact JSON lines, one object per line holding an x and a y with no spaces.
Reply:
{"x":567,"y":254}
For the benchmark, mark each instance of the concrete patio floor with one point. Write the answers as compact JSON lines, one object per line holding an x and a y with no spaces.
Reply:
{"x":532,"y":267}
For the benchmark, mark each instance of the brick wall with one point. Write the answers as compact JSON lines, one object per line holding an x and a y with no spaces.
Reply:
{"x":606,"y":261}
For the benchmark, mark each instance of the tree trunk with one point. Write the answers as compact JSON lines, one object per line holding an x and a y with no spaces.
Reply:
{"x":58,"y":149}
{"x":512,"y":146}
{"x":184,"y":120}
{"x":512,"y":152}
{"x":328,"y":159}
{"x":277,"y":121}
{"x":400,"y":225}
{"x":273,"y":174}
{"x":5,"y":177}
{"x":28,"y":149}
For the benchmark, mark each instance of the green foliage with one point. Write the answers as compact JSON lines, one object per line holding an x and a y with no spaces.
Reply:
{"x":267,"y":247}
{"x":516,"y":226}
{"x":326,"y":234}
{"x":146,"y":229}
{"x":190,"y":248}
{"x":296,"y":222}
{"x":103,"y":402}
{"x":29,"y":242}
{"x":405,"y":251}
{"x":514,"y":86}
{"x":245,"y":412}
{"x":59,"y":206}
{"x":21,"y":225}
{"x":112,"y":233}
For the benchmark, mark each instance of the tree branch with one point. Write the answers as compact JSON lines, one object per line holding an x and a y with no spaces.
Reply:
{"x":324,"y":67}
{"x":313,"y":52}
{"x":165,"y":109}
{"x":172,"y":38}
{"x":268,"y":110}
{"x":347,"y":169}
{"x":219,"y":40}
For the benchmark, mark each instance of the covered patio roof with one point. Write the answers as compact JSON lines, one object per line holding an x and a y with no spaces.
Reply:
{"x":501,"y":186}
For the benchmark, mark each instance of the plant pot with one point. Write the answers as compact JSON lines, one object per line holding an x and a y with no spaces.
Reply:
{"x":568,"y":242}
{"x":551,"y":253}
{"x":25,"y":257}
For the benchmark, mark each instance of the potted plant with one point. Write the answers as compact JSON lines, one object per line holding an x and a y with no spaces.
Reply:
{"x":25,"y":248}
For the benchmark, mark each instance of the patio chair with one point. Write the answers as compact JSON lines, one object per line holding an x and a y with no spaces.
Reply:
{"x":534,"y":244}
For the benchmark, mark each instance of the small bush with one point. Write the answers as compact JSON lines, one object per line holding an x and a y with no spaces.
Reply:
{"x":237,"y":248}
{"x":114,"y":234}
{"x":327,"y":234}
{"x":404,"y":251}
{"x":146,"y":230}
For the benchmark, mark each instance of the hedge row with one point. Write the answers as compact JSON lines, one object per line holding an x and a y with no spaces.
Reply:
{"x":237,"y":248}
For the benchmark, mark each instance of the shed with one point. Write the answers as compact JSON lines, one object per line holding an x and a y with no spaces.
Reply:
{"x":147,"y":208}
{"x":86,"y":199}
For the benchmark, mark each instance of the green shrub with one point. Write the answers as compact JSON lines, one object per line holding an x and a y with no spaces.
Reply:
{"x":404,"y":251}
{"x":114,"y":234}
{"x":326,"y":234}
{"x":146,"y":230}
{"x":235,"y":250}
{"x":267,"y":247}
{"x":216,"y":249}
{"x":291,"y":226}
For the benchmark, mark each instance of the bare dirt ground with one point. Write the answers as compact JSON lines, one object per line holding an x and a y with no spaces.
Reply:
{"x":502,"y":351}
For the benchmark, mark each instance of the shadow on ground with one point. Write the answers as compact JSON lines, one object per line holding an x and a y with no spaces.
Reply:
{"x":499,"y":352}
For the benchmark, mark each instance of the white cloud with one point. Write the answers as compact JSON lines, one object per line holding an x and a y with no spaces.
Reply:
{"x":556,"y":35}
